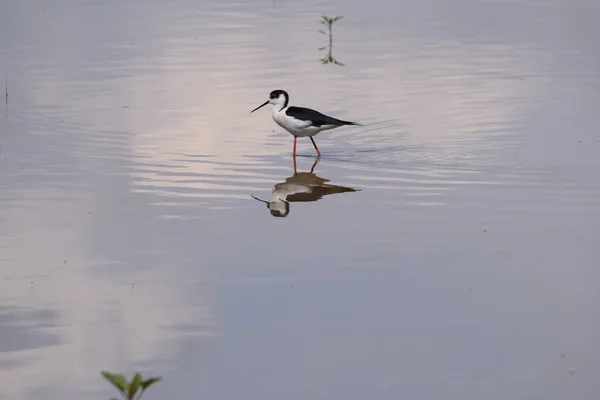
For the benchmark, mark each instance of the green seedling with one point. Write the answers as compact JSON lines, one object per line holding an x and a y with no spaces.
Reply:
{"x":328,"y":22}
{"x":129,"y":390}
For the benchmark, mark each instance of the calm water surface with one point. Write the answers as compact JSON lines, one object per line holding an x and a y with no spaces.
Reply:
{"x":450,"y":251}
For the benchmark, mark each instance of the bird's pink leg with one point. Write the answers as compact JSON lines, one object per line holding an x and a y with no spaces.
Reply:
{"x":314,"y":144}
{"x":295,"y":170}
{"x":295,"y":138}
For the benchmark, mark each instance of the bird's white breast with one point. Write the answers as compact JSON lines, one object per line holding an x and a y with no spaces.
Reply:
{"x":294,"y":126}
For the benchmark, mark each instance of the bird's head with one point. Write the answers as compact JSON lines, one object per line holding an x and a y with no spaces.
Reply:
{"x":278,"y":208}
{"x":279,"y":98}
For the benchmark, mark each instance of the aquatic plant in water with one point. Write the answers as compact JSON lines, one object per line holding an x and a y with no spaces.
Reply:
{"x":328,"y":22}
{"x":132,"y":390}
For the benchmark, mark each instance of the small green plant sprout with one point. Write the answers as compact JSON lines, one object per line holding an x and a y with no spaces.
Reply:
{"x":129,"y":390}
{"x":328,"y":22}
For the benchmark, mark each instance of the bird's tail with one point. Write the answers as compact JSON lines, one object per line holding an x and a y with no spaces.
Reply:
{"x":350,"y":123}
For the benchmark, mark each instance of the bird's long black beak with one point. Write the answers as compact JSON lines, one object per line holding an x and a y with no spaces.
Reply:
{"x":262,"y":105}
{"x":256,"y":198}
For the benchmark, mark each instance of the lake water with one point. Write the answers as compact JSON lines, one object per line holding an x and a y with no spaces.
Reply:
{"x":462,"y":265}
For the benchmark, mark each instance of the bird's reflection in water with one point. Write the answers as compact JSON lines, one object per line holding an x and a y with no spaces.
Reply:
{"x":300,"y":187}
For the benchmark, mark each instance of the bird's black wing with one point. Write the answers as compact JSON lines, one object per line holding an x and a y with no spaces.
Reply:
{"x":315,"y":117}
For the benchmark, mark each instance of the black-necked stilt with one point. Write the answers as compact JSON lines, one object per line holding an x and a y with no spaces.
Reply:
{"x":300,"y":187}
{"x":299,"y":121}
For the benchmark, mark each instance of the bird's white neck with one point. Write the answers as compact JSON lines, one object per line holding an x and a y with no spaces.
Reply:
{"x":279,"y":103}
{"x":277,"y":108}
